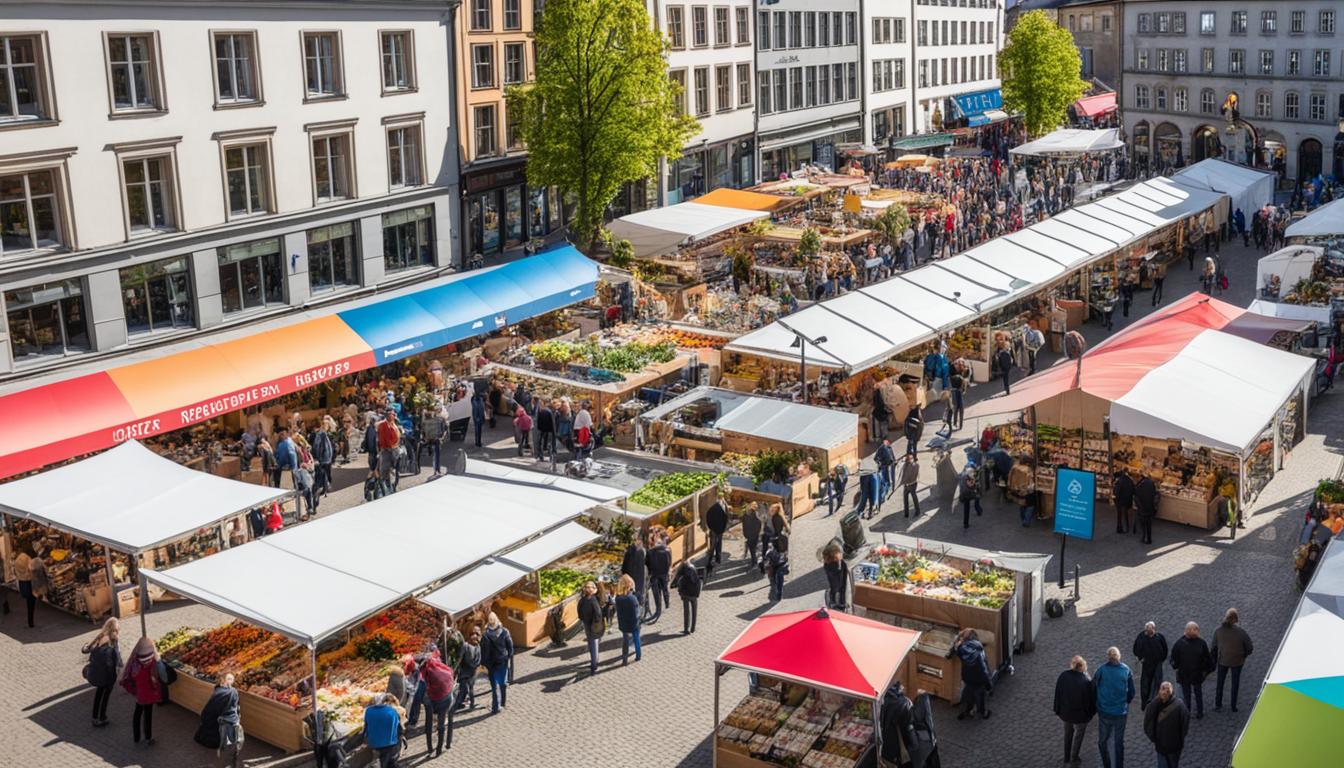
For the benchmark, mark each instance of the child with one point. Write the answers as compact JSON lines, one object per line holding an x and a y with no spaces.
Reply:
{"x":522,"y":429}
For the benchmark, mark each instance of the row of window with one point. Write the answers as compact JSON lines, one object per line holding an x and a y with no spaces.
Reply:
{"x":805,"y":29}
{"x":1174,"y":60}
{"x":958,"y":3}
{"x":52,"y":319}
{"x":954,"y":32}
{"x":888,"y":30}
{"x":966,"y":69}
{"x":1155,"y":97}
{"x":700,"y":27}
{"x":888,"y":75}
{"x":787,"y":89}
{"x":482,"y":14}
{"x":483,"y":64}
{"x":135,"y":72}
{"x":727,"y":79}
{"x":1174,"y":23}
{"x":1084,"y":22}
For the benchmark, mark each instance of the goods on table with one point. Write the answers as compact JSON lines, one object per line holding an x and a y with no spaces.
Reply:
{"x":1178,"y":471}
{"x":556,"y":584}
{"x":1064,"y":447}
{"x":821,"y":732}
{"x":671,"y":487}
{"x":969,"y":342}
{"x":682,"y":339}
{"x":726,"y":310}
{"x":918,"y":573}
{"x":630,"y":357}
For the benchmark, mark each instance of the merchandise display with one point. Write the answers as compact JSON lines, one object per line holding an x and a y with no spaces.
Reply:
{"x":924,"y":574}
{"x":670,"y":488}
{"x":822,"y":731}
{"x":1179,"y":471}
{"x":1086,"y":450}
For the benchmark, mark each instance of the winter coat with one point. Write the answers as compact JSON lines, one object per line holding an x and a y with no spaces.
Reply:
{"x":1150,"y":650}
{"x":590,"y":616}
{"x":323,"y":450}
{"x":1231,"y":645}
{"x":909,"y":473}
{"x":687,"y":581}
{"x":884,"y":457}
{"x":1115,"y":688}
{"x":104,"y":659}
{"x":142,"y":682}
{"x":1075,"y":700}
{"x":716,"y":518}
{"x":221,"y":707}
{"x":880,"y":410}
{"x":974,"y":666}
{"x":1124,"y":492}
{"x":469,"y":662}
{"x":1191,"y":659}
{"x":496,"y":647}
{"x":751,"y":527}
{"x":633,"y":565}
{"x":896,"y":718}
{"x":627,"y":612}
{"x":1166,"y":725}
{"x":914,"y":425}
{"x":659,"y":561}
{"x":1145,"y":497}
{"x":837,"y":582}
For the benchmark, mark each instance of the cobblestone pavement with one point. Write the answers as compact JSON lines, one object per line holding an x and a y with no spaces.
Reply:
{"x":659,"y":711}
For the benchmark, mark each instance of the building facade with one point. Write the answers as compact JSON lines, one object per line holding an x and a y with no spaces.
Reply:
{"x":956,"y":54}
{"x":886,"y":71}
{"x":1095,"y":27}
{"x":1256,"y":83}
{"x":167,"y":174}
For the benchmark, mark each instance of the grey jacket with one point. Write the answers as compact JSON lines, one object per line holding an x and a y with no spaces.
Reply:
{"x":1231,"y":645}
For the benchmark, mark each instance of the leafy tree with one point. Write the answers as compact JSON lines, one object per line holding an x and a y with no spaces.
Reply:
{"x":1040,"y":67}
{"x":602,"y":110}
{"x":892,"y":223}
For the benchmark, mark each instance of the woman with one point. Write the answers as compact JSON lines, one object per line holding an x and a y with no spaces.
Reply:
{"x":583,"y":431}
{"x":522,"y":428}
{"x":779,"y":525}
{"x":220,"y":718}
{"x":564,"y":424}
{"x":23,"y":573}
{"x":141,"y":680}
{"x":467,"y":665}
{"x":274,"y":520}
{"x":590,"y":616}
{"x":1207,"y":277}
{"x":777,"y":566}
{"x":496,"y":657}
{"x":837,"y":577}
{"x":101,"y":671}
{"x":627,"y":617}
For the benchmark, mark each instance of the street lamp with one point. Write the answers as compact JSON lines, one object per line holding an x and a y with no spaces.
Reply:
{"x":800,"y":341}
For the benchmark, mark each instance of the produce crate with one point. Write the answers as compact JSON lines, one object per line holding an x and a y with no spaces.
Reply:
{"x":526,"y":620}
{"x":275,"y":723}
{"x":987,"y":622}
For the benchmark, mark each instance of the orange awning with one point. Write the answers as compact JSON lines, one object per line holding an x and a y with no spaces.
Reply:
{"x":750,"y":201}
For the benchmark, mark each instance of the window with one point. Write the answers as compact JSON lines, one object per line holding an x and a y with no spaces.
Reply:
{"x":480,"y":15}
{"x":1084,"y":25}
{"x":1264,"y":104}
{"x":1297,"y":22}
{"x":322,"y":64}
{"x":133,"y":68}
{"x":483,"y":122}
{"x":1238,"y":22}
{"x":743,"y":85}
{"x":702,"y":90}
{"x":723,"y":87}
{"x":723,"y":33}
{"x":763,"y":97}
{"x":408,"y":238}
{"x":1180,"y":100}
{"x":852,"y":81}
{"x":333,"y":167}
{"x":1145,"y":23}
{"x":29,"y":212}
{"x":1320,"y":63}
{"x":1206,"y":23}
{"x":1326,"y":23}
{"x":47,"y":320}
{"x":1163,"y":60}
{"x":922,"y":33}
{"x":1236,"y":61}
{"x":247,"y":173}
{"x":743,"y":15}
{"x":251,"y":275}
{"x":513,"y":14}
{"x":1294,"y":62}
{"x":157,"y":296}
{"x":149,"y":194}
{"x":1269,"y":22}
{"x":1106,"y":23}
{"x":398,"y":61}
{"x":1141,"y":58}
{"x":676,"y":26}
{"x":781,"y":97}
{"x":1179,"y":58}
{"x":1163,"y":23}
{"x":763,"y":30}
{"x":513,"y":139}
{"x":482,"y":66}
{"x":781,"y":30}
{"x":810,"y":85}
{"x":1177,"y":23}
{"x":405,"y":166}
{"x":22,"y":80}
{"x":823,"y":29}
{"x":333,"y":257}
{"x":900,"y":30}
{"x":1292,"y":107}
{"x":1266,"y":62}
{"x":1206,"y":101}
{"x":796,"y":29}
{"x":699,"y":26}
{"x":1141,"y":97}
{"x":852,"y":28}
{"x":514,"y":69}
{"x":795,"y":87}
{"x":1316,"y":107}
{"x":1161,"y":98}
{"x":236,"y":77}
{"x":924,"y":74}
{"x":678,"y":78}
{"x":1206,"y":60}
{"x":837,"y":28}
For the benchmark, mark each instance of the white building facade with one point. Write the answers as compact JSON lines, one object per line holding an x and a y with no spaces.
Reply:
{"x":886,"y":70}
{"x":956,"y":47}
{"x":164,"y":174}
{"x":1282,"y":63}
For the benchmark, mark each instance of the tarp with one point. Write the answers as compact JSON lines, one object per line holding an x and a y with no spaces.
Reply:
{"x":1303,"y":695}
{"x":845,"y":654}
{"x":131,"y":499}
{"x":1290,"y":311}
{"x":769,"y":418}
{"x":726,"y":197}
{"x":1094,"y":106}
{"x":1262,"y":329}
{"x":1325,"y":221}
{"x":86,"y":413}
{"x":310,"y":581}
{"x":1071,"y":141}
{"x":1250,"y":189}
{"x":923,"y":141}
{"x":1290,"y":265}
{"x":975,"y":106}
{"x":662,"y":230}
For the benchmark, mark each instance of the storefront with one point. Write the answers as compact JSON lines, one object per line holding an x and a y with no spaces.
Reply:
{"x":702,"y":169}
{"x":784,"y":152}
{"x":501,"y":211}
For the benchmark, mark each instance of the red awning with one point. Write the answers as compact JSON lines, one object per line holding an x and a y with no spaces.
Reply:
{"x":835,"y":651}
{"x":1094,"y":106}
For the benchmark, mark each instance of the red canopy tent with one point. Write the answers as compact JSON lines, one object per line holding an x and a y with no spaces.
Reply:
{"x":1095,"y":106}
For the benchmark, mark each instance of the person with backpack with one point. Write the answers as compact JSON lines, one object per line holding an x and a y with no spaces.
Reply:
{"x":914,"y":430}
{"x":497,"y":657}
{"x":594,"y":625}
{"x":324,"y":455}
{"x":777,"y":565}
{"x":141,"y":679}
{"x":627,"y":618}
{"x":467,"y":665}
{"x":101,"y":670}
{"x":687,"y":582}
{"x":220,"y":718}
{"x":975,"y":677}
{"x":439,"y":687}
{"x":751,"y":532}
{"x":969,"y":490}
{"x":924,"y":748}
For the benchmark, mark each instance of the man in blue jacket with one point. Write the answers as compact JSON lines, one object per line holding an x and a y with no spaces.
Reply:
{"x":1115,"y":689}
{"x":382,"y":724}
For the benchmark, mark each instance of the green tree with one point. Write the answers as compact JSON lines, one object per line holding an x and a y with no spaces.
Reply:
{"x":892,"y":223}
{"x":602,"y":110}
{"x":1040,"y":67}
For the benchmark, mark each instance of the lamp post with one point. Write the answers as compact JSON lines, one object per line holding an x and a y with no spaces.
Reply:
{"x":800,"y":341}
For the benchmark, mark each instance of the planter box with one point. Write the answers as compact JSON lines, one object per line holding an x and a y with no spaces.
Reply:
{"x":987,"y":622}
{"x":277,"y":724}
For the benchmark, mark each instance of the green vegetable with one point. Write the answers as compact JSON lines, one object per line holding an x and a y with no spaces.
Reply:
{"x":776,"y":465}
{"x":374,"y":648}
{"x":1330,"y":491}
{"x":557,"y":352}
{"x":671,"y":487}
{"x":555,"y":584}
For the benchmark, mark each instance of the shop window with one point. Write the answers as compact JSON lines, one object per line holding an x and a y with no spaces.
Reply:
{"x":47,"y":320}
{"x":408,"y":238}
{"x":333,"y":257}
{"x":536,"y":212}
{"x":157,"y":296}
{"x":513,"y":216}
{"x":251,"y":275}
{"x":30,"y":216}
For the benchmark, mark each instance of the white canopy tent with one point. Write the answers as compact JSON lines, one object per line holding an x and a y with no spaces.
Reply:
{"x":768,"y":417}
{"x":1249,"y":188}
{"x":1071,"y":141}
{"x":313,"y":580}
{"x":1290,"y":265}
{"x":1325,"y":221}
{"x":658,"y":231}
{"x":131,"y":499}
{"x":1290,"y":311}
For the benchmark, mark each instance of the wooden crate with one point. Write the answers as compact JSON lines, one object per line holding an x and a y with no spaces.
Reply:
{"x":985,"y":621}
{"x":1201,"y":514}
{"x":277,"y":724}
{"x":528,"y":627}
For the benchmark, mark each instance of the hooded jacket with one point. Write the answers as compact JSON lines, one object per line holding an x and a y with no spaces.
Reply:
{"x":716,"y":518}
{"x":974,"y":666}
{"x":687,"y":581}
{"x":1145,"y":496}
{"x":896,"y":719}
{"x":633,"y":565}
{"x":496,"y":647}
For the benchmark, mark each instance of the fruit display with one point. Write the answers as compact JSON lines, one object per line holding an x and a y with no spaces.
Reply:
{"x":821,"y":731}
{"x":671,"y":487}
{"x":682,"y":339}
{"x":629,"y":357}
{"x":920,"y":573}
{"x":969,"y":342}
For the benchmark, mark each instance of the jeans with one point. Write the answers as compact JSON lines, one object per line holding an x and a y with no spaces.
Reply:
{"x":835,"y":495}
{"x":499,"y":687}
{"x":436,"y":449}
{"x":966,"y":502}
{"x":417,"y":699}
{"x":387,"y":756}
{"x":387,"y":469}
{"x":1073,"y":740}
{"x":1031,"y":353}
{"x":1157,"y":292}
{"x":1198,"y":690}
{"x":1111,"y":728}
{"x":911,"y":446}
{"x":144,"y":714}
{"x":910,"y":498}
{"x":101,"y":695}
{"x":466,"y":691}
{"x":958,"y":409}
{"x":479,"y":424}
{"x":1218,"y":689}
{"x":661,"y":596}
{"x":626,"y":638}
{"x":1169,"y":761}
{"x":879,"y":429}
{"x":443,"y":711}
{"x":688,"y":611}
{"x":888,"y":480}
{"x":1007,"y":383}
{"x":777,"y":585}
{"x":1026,"y":511}
{"x":592,"y":653}
{"x":715,"y":547}
{"x":323,"y":478}
{"x":1150,"y":679}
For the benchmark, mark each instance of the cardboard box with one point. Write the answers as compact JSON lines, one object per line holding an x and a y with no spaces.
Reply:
{"x":128,"y":602}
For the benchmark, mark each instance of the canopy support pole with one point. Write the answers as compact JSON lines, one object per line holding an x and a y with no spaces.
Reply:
{"x":714,"y":733}
{"x":144,"y":604}
{"x":317,"y":716}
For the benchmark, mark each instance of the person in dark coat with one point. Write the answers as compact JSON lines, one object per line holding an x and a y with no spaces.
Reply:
{"x":885,"y":458}
{"x":1123,"y":497}
{"x":594,"y":626}
{"x":1192,"y":661}
{"x":716,"y":521}
{"x":627,"y":619}
{"x":634,"y":565}
{"x":914,"y":430}
{"x":924,"y":749}
{"x":1145,"y":497}
{"x":687,"y":583}
{"x":969,"y":492}
{"x":219,"y":716}
{"x":909,"y":479}
{"x":837,"y":577}
{"x":104,"y":659}
{"x":975,"y":679}
{"x":1151,"y":649}
{"x":1004,"y":359}
{"x":751,"y":531}
{"x":1231,"y":646}
{"x":468,"y":663}
{"x":777,"y":566}
{"x":897,"y":719}
{"x":1166,"y":724}
{"x":659,"y":563}
{"x":881,"y":415}
{"x":1076,"y":705}
{"x":497,"y":657}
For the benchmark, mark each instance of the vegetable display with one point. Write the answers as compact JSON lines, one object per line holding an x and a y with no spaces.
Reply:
{"x":919,"y":573}
{"x":671,"y":487}
{"x":556,"y":584}
{"x":630,"y":357}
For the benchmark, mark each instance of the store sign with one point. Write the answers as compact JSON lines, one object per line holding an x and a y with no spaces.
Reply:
{"x":1075,"y":502}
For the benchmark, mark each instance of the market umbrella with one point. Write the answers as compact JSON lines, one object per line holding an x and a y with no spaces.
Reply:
{"x":909,"y":161}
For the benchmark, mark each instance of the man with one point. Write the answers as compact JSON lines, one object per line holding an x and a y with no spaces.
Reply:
{"x":975,"y":680}
{"x":897,"y":720}
{"x":1151,"y":649}
{"x":324,"y":455}
{"x":1075,"y":704}
{"x":1115,"y":689}
{"x":433,"y":428}
{"x":1035,"y":340}
{"x":885,"y":458}
{"x":914,"y":430}
{"x":659,"y":561}
{"x":389,"y":440}
{"x":594,"y":625}
{"x":1166,"y":725}
{"x":751,"y":532}
{"x":370,"y":444}
{"x":1004,"y":359}
{"x":716,"y":522}
{"x":382,"y":724}
{"x":910,"y":483}
{"x":1192,"y":661}
{"x":1122,"y":495}
{"x":970,"y":494}
{"x":835,"y":489}
{"x":286,"y":456}
{"x":881,"y":414}
{"x":1231,"y":646}
{"x":1159,"y":277}
{"x":868,"y":501}
{"x":1145,"y":497}
{"x":634,"y":565}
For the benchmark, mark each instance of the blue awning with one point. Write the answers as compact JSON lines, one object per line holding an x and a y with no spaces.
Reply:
{"x":973,"y":106}
{"x":474,"y":304}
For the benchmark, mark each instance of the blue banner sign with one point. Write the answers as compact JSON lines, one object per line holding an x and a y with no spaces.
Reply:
{"x":1075,"y":502}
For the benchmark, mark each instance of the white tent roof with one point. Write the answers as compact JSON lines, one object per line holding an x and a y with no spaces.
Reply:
{"x":1221,"y":391}
{"x":1250,"y":189}
{"x":130,"y":498}
{"x":1072,"y":141}
{"x":1325,"y":221}
{"x":1290,"y":311}
{"x":1290,"y":264}
{"x":769,"y":418}
{"x":661,"y":230}
{"x":313,"y":580}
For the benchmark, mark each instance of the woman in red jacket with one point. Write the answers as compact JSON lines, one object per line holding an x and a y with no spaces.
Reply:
{"x":141,"y":680}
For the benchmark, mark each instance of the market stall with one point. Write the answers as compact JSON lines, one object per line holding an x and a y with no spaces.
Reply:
{"x":660,"y":231}
{"x":96,"y":523}
{"x":1302,"y":282}
{"x":814,"y":709}
{"x":1324,"y":223}
{"x":1067,"y":142}
{"x":1250,"y":189}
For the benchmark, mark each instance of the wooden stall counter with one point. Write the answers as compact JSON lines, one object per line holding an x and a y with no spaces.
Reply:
{"x":526,"y":619}
{"x":273,"y":722}
{"x":1180,"y":509}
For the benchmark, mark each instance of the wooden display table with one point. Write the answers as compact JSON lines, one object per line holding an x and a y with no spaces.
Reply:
{"x":526,"y":619}
{"x":275,"y":723}
{"x":1201,"y":514}
{"x":732,"y":755}
{"x":989,"y":624}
